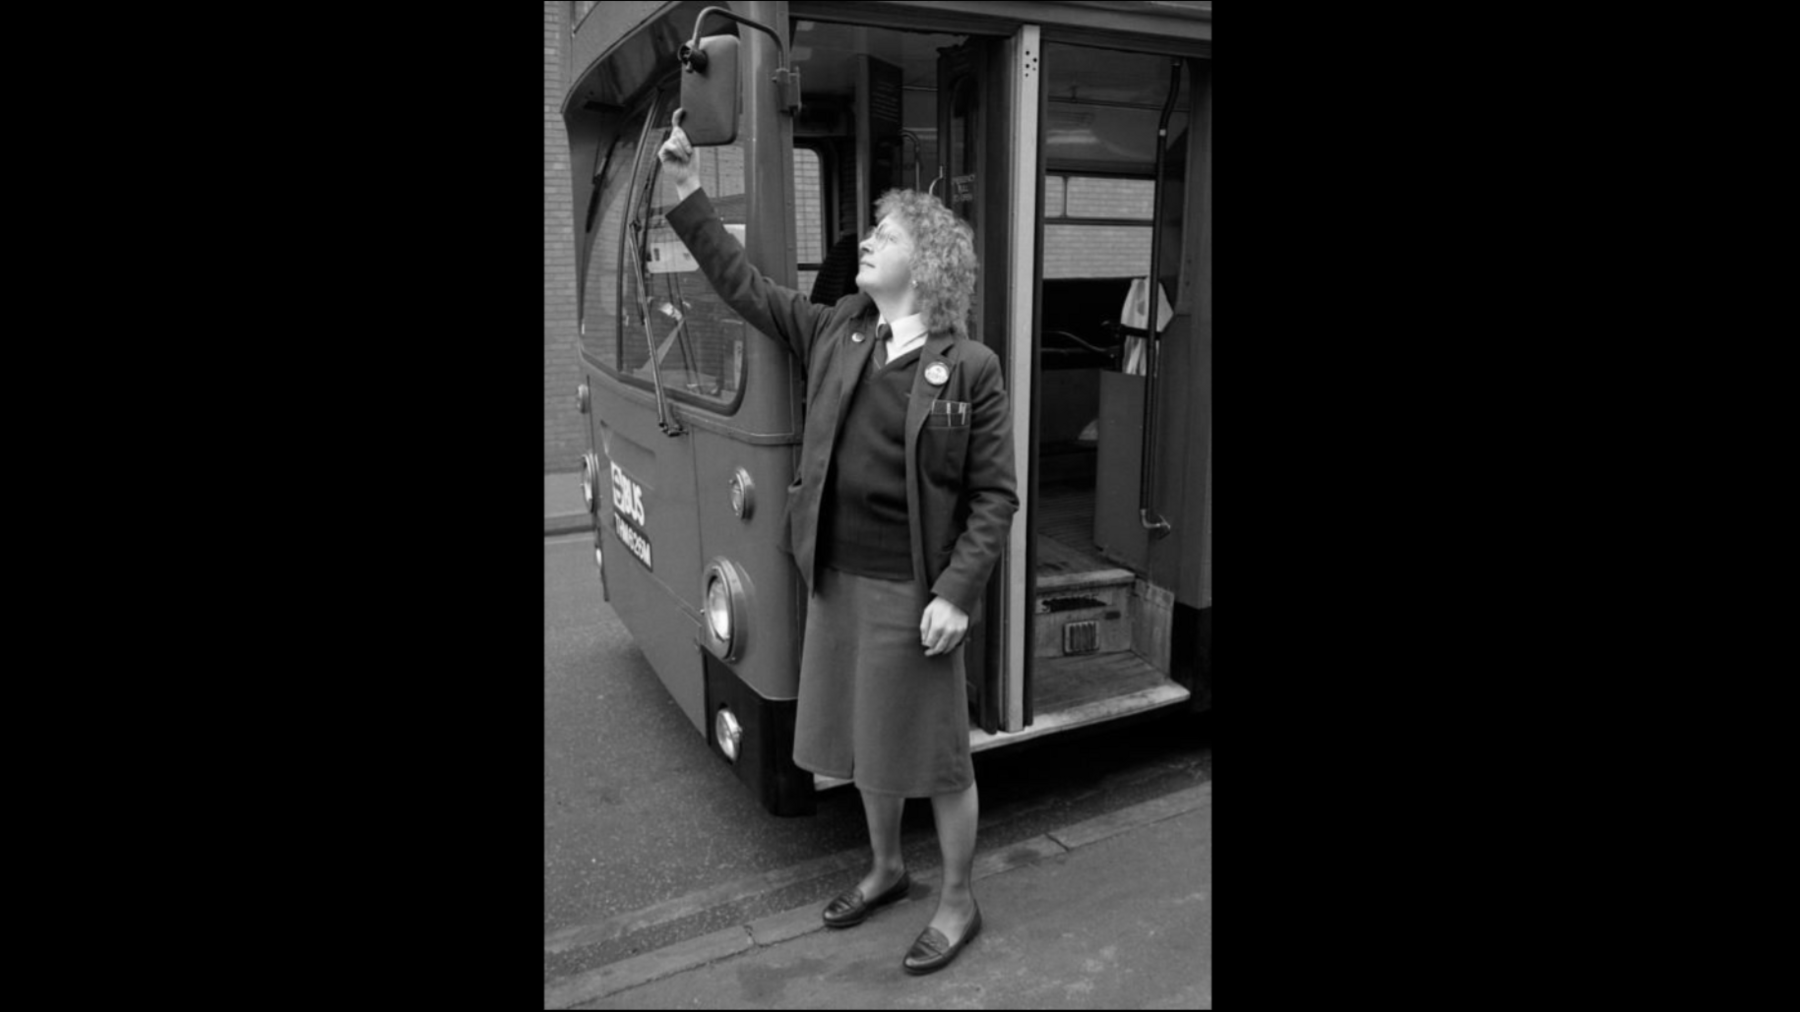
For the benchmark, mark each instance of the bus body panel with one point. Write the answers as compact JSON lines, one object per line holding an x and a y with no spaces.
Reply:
{"x":770,"y":659}
{"x":648,"y":482}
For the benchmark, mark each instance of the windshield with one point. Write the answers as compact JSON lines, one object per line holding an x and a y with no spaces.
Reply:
{"x":673,"y":320}
{"x":607,"y":205}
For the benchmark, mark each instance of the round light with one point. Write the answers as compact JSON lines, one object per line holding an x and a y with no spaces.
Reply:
{"x":718,"y":607}
{"x":726,"y":597}
{"x":728,"y":733}
{"x":590,"y":476}
{"x":743,"y":494}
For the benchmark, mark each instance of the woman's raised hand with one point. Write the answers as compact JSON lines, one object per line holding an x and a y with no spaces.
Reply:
{"x":677,"y":157}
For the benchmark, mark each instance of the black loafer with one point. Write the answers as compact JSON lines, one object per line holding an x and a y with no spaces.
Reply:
{"x":932,"y":951}
{"x":850,"y":909}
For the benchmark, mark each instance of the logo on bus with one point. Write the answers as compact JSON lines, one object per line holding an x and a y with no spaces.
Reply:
{"x":628,"y":501}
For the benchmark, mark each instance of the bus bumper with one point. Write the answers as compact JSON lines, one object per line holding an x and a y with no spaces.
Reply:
{"x":765,"y":750}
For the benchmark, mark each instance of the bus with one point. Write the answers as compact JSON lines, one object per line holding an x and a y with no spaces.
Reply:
{"x":1076,"y":141}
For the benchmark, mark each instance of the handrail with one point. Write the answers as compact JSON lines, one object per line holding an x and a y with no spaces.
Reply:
{"x":918,"y":170}
{"x":1078,"y":340}
{"x":1158,"y":527}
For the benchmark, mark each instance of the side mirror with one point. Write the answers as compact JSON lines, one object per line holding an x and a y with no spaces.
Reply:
{"x":709,"y":90}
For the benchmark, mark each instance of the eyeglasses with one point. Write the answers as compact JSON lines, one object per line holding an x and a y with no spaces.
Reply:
{"x":878,"y":239}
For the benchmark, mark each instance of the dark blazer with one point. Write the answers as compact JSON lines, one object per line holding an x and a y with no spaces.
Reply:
{"x":960,"y":485}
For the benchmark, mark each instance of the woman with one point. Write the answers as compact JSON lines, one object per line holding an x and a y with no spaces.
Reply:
{"x":903,"y":501}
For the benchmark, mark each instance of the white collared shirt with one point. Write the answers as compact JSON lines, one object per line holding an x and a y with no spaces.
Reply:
{"x":909,"y":333}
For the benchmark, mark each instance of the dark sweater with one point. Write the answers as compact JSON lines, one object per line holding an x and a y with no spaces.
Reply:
{"x":862,"y":522}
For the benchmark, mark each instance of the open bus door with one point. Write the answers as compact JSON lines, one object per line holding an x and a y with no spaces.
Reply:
{"x":1112,"y":608}
{"x":1080,"y":613}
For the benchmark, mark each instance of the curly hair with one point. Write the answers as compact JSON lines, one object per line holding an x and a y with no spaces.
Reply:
{"x":943,"y":258}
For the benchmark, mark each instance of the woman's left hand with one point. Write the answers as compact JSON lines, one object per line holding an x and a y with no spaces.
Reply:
{"x":943,"y":627}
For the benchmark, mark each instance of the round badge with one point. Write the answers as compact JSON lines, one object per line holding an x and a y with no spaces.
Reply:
{"x":857,"y":337}
{"x":937,"y":374}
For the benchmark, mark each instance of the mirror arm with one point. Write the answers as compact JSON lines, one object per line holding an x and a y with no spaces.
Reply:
{"x":787,"y":80}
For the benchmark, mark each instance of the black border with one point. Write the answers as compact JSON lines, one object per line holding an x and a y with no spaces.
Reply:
{"x":1391,"y":200}
{"x":395,"y":361}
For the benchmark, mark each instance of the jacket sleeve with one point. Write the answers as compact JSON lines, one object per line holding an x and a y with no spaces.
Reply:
{"x":990,"y":488}
{"x":781,"y":313}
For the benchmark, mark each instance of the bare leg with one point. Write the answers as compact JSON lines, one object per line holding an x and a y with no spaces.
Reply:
{"x":956,"y":816}
{"x":883,"y":812}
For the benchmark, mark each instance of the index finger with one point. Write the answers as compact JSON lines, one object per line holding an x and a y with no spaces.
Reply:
{"x":679,"y":115}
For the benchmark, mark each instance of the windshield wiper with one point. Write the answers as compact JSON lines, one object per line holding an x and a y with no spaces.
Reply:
{"x":665,"y":415}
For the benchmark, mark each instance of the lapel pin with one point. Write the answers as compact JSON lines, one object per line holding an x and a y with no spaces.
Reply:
{"x":937,"y":374}
{"x":857,"y":337}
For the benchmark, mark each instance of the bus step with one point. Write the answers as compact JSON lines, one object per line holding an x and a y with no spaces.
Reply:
{"x":1074,"y":682}
{"x":1077,"y":691}
{"x":1082,"y":614}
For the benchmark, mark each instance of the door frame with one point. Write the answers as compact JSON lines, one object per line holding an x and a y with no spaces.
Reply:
{"x":1022,"y":66}
{"x":1007,"y":72}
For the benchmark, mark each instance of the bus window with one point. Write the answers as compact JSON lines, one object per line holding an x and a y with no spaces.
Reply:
{"x":600,"y":317}
{"x":809,"y":216}
{"x":667,"y":305}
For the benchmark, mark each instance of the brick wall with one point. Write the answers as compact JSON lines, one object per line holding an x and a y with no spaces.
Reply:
{"x":565,"y":431}
{"x":1096,"y":251}
{"x":1091,"y":197}
{"x":1076,"y":249}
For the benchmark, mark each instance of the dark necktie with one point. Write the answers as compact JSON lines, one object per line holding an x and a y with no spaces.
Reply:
{"x":882,"y":333}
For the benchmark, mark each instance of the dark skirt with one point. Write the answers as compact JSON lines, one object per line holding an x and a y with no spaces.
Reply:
{"x":873,"y":708}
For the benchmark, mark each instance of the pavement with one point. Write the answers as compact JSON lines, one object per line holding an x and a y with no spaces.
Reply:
{"x":1113,"y":912}
{"x":565,"y":511}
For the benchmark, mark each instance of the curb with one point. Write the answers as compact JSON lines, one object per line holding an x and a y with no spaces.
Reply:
{"x":568,"y":523}
{"x":781,"y":927}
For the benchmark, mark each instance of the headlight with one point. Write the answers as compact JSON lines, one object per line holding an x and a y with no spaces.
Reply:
{"x":725,"y":623}
{"x":590,"y":479}
{"x":718,"y":607}
{"x":728,"y":733}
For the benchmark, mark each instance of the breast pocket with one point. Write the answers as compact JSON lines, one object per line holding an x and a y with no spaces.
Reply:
{"x":948,"y":415}
{"x":946,"y":438}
